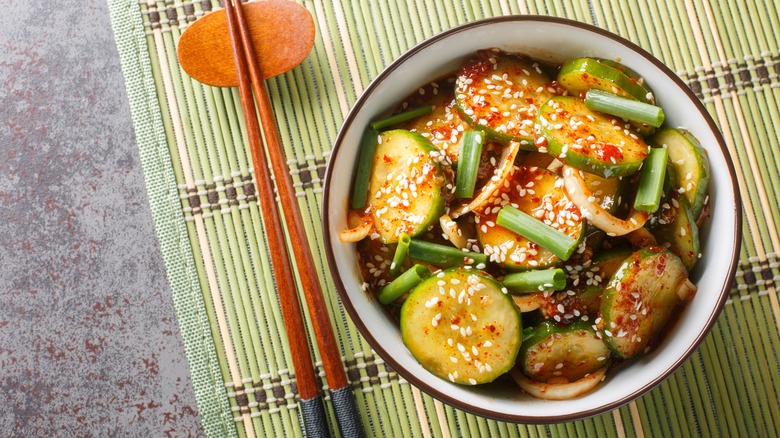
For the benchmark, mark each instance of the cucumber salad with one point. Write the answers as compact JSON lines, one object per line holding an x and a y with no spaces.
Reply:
{"x":529,"y":222}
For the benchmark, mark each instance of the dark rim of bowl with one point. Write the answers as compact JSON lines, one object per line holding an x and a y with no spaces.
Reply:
{"x":460,"y":404}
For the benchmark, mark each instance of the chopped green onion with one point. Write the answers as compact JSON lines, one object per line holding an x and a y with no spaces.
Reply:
{"x":623,"y":107}
{"x":403,"y":284}
{"x":536,"y":231}
{"x":468,"y":164}
{"x":363,"y":174}
{"x":445,"y":256}
{"x":651,"y":183}
{"x":400,"y":117}
{"x":536,"y":281}
{"x":400,"y":254}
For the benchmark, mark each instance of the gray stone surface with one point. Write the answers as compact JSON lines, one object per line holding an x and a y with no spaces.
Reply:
{"x":89,"y":343}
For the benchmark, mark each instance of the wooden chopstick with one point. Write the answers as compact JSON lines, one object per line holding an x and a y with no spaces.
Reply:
{"x":251,"y":79}
{"x":291,"y":309}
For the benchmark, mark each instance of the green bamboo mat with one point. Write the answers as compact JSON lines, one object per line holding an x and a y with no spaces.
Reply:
{"x":200,"y":186}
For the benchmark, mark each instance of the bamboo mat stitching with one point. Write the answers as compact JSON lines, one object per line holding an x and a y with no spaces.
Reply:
{"x":716,"y":80}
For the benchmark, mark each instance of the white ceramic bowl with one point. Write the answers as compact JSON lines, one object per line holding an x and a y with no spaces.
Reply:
{"x":555,"y":40}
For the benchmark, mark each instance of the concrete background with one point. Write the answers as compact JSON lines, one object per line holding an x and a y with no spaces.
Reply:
{"x":89,"y":344}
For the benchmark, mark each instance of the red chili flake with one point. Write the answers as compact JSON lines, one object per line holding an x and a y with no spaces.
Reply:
{"x":659,"y":269}
{"x":608,"y":151}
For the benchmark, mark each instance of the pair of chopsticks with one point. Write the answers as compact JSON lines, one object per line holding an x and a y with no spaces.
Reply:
{"x":312,"y":410}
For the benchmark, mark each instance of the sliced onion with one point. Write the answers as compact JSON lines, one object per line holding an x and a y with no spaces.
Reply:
{"x":500,"y":174}
{"x":554,"y":165}
{"x":528,"y":302}
{"x":593,"y":212}
{"x":559,"y":391}
{"x":686,"y":290}
{"x":453,"y":232}
{"x":361,"y":224}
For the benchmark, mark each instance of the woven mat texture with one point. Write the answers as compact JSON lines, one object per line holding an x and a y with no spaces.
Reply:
{"x":200,"y":186}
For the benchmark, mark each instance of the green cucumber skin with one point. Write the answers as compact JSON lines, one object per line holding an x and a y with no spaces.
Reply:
{"x":581,"y":74}
{"x":678,"y":142}
{"x":590,"y":163}
{"x":618,"y":302}
{"x":547,"y":330}
{"x":628,"y":71}
{"x":444,"y":123}
{"x":697,"y":204}
{"x":608,"y":261}
{"x":622,"y":77}
{"x":439,"y":179}
{"x":642,"y":129}
{"x":429,"y":288}
{"x":479,"y":69}
{"x":685,"y":246}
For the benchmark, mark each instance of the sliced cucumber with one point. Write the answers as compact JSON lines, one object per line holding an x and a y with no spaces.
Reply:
{"x":583,"y":296}
{"x":501,"y":94}
{"x":605,"y":190}
{"x":462,"y":326}
{"x":591,"y":286}
{"x":562,"y":354}
{"x":591,"y":243}
{"x":537,"y":159}
{"x":608,"y":192}
{"x":690,"y":163}
{"x":639,"y":299}
{"x":580,"y":75}
{"x":641,"y":128}
{"x":633,"y":76}
{"x":678,"y":230}
{"x":406,"y":188}
{"x":609,"y":261}
{"x":590,"y":299}
{"x":539,"y":193}
{"x":443,"y":126}
{"x":564,"y":308}
{"x":588,"y":140}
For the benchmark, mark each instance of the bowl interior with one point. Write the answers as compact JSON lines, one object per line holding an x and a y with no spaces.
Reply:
{"x":554,"y":40}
